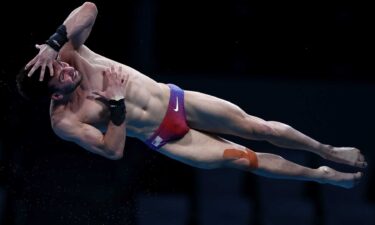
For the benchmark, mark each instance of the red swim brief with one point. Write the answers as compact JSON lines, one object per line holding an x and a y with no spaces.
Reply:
{"x":173,"y":126}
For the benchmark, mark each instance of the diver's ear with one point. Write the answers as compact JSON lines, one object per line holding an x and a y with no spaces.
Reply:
{"x":57,"y":96}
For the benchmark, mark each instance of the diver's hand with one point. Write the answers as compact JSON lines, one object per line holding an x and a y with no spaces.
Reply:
{"x":44,"y":59}
{"x":116,"y":82}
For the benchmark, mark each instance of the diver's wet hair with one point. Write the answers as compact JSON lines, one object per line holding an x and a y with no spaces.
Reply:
{"x":31,"y":88}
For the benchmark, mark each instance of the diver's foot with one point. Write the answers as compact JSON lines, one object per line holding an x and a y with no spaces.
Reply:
{"x":345,"y":180}
{"x":346,"y":155}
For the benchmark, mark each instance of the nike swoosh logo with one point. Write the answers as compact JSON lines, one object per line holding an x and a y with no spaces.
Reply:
{"x":176,"y":109}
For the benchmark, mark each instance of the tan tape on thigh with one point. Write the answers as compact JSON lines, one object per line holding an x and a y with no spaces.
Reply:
{"x":233,"y":154}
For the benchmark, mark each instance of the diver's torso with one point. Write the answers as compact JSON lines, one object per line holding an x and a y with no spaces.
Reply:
{"x":146,"y":100}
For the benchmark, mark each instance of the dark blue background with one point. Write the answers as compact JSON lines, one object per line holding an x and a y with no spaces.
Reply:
{"x":308,"y":64}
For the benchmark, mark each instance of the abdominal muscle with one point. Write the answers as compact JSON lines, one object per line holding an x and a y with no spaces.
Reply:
{"x":146,"y":105}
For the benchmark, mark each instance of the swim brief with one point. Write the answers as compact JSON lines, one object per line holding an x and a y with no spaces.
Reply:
{"x":173,"y":126}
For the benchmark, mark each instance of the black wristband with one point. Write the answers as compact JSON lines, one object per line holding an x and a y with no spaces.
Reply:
{"x":58,"y":39}
{"x":118,"y":111}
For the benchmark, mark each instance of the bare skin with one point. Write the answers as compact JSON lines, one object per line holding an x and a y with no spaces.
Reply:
{"x":82,"y":118}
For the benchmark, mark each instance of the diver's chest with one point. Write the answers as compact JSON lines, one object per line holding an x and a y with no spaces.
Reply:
{"x":94,"y":113}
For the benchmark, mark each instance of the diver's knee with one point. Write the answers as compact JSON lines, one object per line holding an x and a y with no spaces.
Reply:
{"x":246,"y":158}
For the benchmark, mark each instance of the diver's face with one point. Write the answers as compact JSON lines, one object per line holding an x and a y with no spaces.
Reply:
{"x":66,"y":78}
